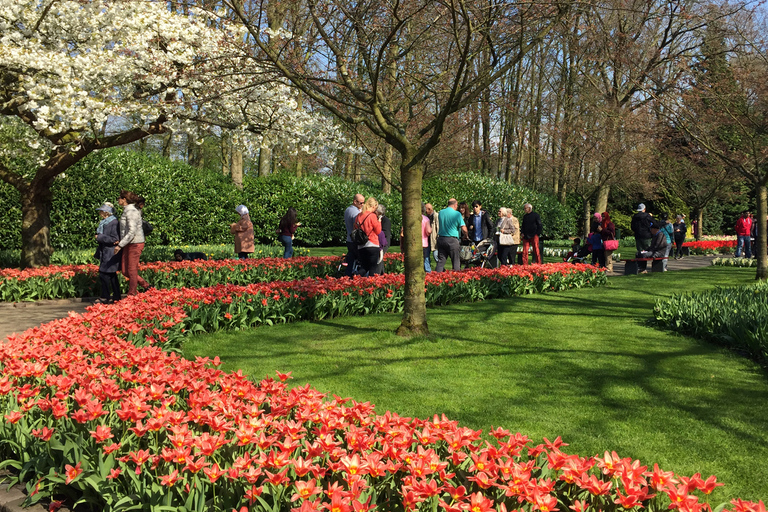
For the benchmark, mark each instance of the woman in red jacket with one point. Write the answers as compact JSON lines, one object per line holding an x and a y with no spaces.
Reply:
{"x":368,"y":254}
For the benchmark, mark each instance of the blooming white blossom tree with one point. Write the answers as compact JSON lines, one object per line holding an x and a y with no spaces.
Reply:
{"x":69,"y":66}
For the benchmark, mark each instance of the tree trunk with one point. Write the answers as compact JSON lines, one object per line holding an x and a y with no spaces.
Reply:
{"x":386,"y":172}
{"x":761,"y":251}
{"x":36,"y":203}
{"x":700,"y":224}
{"x":602,"y":198}
{"x":167,"y":143}
{"x":300,"y":165}
{"x":586,"y":218}
{"x":414,"y":321}
{"x":265,"y":158}
{"x":237,"y":167}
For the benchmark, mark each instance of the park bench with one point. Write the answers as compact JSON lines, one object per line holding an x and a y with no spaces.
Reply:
{"x":631,"y":267}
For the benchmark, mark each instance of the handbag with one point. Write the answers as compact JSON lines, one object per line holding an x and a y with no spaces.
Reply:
{"x":611,"y":245}
{"x":506,"y":239}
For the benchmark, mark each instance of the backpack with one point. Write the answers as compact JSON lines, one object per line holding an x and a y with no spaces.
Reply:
{"x":359,"y":236}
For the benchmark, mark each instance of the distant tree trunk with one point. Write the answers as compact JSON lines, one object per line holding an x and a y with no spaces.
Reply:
{"x":300,"y":165}
{"x":485,"y":119}
{"x":700,"y":224}
{"x":601,"y":204}
{"x":167,"y":143}
{"x":265,"y":158}
{"x":226,"y":155}
{"x":761,"y":242}
{"x":237,"y":167}
{"x":587,"y":215}
{"x":386,"y":172}
{"x":349,"y":173}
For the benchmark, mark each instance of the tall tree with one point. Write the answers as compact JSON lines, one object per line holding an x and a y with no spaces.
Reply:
{"x":726,"y":110}
{"x":439,"y":69}
{"x":70,"y":67}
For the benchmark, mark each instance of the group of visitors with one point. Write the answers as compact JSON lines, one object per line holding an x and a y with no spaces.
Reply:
{"x":442,"y":234}
{"x":601,"y":241}
{"x":655,"y":238}
{"x":369,"y":234}
{"x":244,"y":235}
{"x":120,"y":243}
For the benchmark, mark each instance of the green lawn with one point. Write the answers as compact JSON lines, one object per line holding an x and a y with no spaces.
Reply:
{"x":581,"y":364}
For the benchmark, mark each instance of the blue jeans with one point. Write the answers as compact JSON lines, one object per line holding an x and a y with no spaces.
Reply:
{"x":288,"y":244}
{"x":744,"y":241}
{"x":427,"y":254}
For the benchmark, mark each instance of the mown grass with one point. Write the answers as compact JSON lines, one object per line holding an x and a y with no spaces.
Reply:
{"x":583,"y":364}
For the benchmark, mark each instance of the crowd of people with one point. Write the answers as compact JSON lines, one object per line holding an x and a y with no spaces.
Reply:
{"x":369,"y":234}
{"x":443,"y":234}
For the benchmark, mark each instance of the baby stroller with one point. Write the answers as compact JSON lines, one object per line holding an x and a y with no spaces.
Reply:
{"x":482,"y":254}
{"x":579,"y":256}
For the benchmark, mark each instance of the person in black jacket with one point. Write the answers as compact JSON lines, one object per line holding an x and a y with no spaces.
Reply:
{"x":641,"y":226}
{"x":657,"y":249}
{"x":107,"y":235}
{"x":479,"y":225}
{"x":531,"y":231}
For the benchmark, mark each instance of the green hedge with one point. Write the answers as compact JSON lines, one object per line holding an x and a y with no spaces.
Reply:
{"x":193,"y":206}
{"x":734,"y":317}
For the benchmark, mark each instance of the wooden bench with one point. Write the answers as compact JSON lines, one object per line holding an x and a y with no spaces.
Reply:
{"x":632,"y":268}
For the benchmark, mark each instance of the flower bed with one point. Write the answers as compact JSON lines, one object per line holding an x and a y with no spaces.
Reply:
{"x":60,"y":282}
{"x":90,"y":416}
{"x":734,"y":317}
{"x":711,"y":246}
{"x":734,"y":262}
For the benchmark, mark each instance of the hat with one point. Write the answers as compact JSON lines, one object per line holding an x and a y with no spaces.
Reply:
{"x":106,"y":207}
{"x":640,"y":207}
{"x":242,"y":209}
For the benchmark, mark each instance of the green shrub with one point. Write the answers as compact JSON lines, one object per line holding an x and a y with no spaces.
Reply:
{"x":734,"y":317}
{"x":193,"y":206}
{"x":734,"y":262}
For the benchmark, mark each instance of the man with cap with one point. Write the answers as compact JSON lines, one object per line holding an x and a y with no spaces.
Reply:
{"x":641,"y":226}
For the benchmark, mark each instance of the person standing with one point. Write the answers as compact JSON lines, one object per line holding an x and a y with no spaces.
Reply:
{"x":479,"y":226}
{"x":368,"y":221}
{"x":435,"y":222}
{"x":287,"y":228}
{"x":507,"y":231}
{"x":243,"y":231}
{"x":743,"y":231}
{"x":641,"y":226}
{"x":464,"y":210}
{"x":451,"y":227}
{"x":131,"y":242}
{"x":107,"y":233}
{"x":608,"y":233}
{"x":679,"y":230}
{"x":426,"y":234}
{"x":350,"y":214}
{"x":531,"y":231}
{"x":596,"y":243}
{"x":669,"y":235}
{"x":385,"y":237}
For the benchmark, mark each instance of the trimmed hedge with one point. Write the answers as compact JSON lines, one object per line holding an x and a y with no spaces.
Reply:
{"x":193,"y":206}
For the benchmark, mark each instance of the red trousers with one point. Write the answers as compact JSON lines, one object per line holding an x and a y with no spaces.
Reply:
{"x":536,"y":253}
{"x":130,"y":264}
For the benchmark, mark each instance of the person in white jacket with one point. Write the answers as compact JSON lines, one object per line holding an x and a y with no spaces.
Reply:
{"x":131,"y":241}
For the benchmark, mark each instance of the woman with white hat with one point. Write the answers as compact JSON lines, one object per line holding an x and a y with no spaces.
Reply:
{"x":243,"y":231}
{"x":107,"y":234}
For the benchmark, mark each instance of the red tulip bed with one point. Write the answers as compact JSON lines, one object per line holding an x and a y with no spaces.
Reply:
{"x":66,"y":281}
{"x":100,"y":410}
{"x":711,"y":246}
